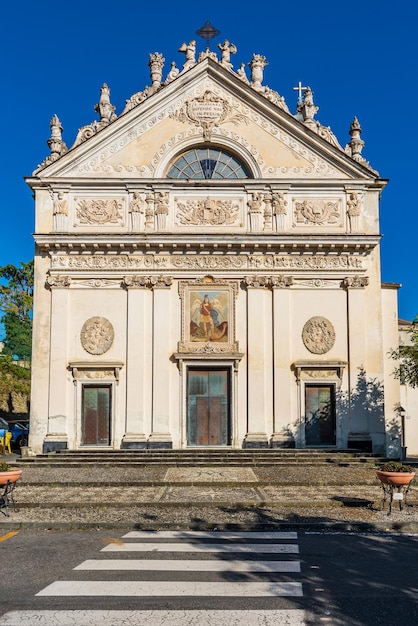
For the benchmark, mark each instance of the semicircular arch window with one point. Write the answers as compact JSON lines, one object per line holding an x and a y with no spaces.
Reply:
{"x":207,"y":163}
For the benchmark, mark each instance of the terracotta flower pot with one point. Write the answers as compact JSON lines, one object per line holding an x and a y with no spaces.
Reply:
{"x":13,"y":475}
{"x":395,"y":478}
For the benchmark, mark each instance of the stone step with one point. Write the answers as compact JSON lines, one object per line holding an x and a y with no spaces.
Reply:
{"x":228,"y":458}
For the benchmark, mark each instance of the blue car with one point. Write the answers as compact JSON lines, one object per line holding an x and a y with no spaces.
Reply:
{"x":19,"y":432}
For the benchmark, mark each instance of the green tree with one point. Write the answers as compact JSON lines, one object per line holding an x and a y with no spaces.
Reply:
{"x":407,"y":355}
{"x":16,"y":298}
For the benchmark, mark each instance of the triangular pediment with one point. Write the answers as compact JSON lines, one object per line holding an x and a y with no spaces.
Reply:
{"x":206,"y":105}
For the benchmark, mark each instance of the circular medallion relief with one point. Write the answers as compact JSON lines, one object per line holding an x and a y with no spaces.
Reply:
{"x":318,"y":335}
{"x":97,"y":335}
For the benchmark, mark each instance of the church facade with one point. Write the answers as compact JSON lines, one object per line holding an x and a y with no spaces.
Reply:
{"x":207,"y":273}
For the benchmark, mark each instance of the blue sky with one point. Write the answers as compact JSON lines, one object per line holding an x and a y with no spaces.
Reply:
{"x":359,"y":58}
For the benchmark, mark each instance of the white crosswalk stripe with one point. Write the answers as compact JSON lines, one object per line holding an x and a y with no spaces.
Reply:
{"x":238,"y":565}
{"x":146,"y":589}
{"x":247,"y":548}
{"x":281,"y":617}
{"x":232,"y":565}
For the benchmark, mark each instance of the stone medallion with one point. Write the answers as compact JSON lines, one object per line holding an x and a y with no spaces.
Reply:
{"x":97,"y":335}
{"x":318,"y":335}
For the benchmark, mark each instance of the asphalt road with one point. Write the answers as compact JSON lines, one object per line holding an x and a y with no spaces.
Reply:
{"x":296,"y":579}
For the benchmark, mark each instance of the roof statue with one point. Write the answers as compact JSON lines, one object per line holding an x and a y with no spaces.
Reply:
{"x":305,"y":111}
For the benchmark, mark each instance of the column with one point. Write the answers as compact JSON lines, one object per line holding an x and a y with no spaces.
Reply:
{"x":259,"y":362}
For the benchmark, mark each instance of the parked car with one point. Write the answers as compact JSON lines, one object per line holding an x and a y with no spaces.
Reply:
{"x":19,"y":430}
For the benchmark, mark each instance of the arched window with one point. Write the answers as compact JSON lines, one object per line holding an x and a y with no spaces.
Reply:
{"x":207,"y":163}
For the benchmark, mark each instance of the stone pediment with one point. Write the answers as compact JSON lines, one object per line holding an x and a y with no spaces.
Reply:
{"x":208,"y":105}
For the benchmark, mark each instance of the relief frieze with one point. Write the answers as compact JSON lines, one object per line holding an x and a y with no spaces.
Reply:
{"x":206,"y":262}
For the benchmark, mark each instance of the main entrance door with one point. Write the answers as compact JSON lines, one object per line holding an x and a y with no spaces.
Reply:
{"x":208,"y":407}
{"x":320,"y":423}
{"x":95,"y":419}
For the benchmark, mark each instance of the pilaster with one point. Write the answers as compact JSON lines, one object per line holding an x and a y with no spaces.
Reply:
{"x":160,"y":436}
{"x":259,"y":364}
{"x":139,"y":351}
{"x":282,"y":375}
{"x":58,"y":426}
{"x":357,"y":426}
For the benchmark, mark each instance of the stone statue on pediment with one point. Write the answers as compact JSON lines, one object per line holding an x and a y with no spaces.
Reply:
{"x":156,"y":64}
{"x":257,"y":65}
{"x":104,"y":108}
{"x":227,"y":49}
{"x":241,"y":73}
{"x":189,"y":49}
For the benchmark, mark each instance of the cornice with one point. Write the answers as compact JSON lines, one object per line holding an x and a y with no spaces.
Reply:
{"x":321,"y":244}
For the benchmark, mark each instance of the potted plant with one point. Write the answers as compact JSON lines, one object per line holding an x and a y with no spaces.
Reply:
{"x":395,"y":473}
{"x":9,"y":473}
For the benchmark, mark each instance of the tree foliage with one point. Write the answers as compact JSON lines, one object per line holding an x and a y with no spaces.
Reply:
{"x":407,"y":355}
{"x":13,"y":378}
{"x":16,"y":298}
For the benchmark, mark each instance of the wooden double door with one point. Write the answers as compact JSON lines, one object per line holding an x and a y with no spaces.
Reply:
{"x":320,"y":415}
{"x":208,"y":407}
{"x":96,"y":415}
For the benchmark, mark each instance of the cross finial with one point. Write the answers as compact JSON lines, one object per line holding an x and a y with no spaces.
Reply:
{"x":300,"y":89}
{"x":207,"y":31}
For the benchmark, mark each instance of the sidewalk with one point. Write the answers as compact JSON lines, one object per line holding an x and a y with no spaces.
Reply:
{"x":338,"y":497}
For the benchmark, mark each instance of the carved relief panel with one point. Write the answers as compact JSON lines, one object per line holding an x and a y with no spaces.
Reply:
{"x":317,"y":213}
{"x":95,"y":212}
{"x":209,"y":211}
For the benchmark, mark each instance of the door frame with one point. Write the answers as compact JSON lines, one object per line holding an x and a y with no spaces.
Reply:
{"x":320,"y":374}
{"x":81,"y":383}
{"x":333,"y":399}
{"x":207,"y":370}
{"x":230,"y":364}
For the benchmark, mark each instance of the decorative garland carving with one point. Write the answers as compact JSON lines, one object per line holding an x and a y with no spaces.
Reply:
{"x":97,"y":335}
{"x":318,"y":335}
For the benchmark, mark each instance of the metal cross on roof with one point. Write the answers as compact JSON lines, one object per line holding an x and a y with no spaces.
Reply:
{"x":207,"y":32}
{"x":299,"y":88}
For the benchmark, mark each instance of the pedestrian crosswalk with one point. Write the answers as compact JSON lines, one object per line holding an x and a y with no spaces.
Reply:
{"x":239,"y":571}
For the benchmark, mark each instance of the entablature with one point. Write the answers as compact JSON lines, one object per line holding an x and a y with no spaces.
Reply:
{"x":344,"y":245}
